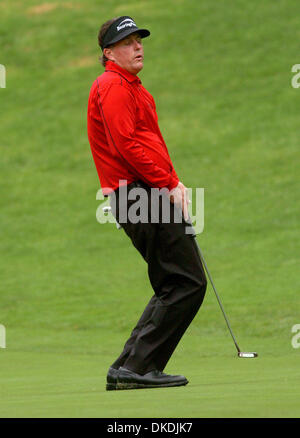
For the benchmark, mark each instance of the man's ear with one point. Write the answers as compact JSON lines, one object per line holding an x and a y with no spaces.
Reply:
{"x":108,"y":54}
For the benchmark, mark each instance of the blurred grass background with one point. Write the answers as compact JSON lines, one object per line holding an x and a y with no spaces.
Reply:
{"x":72,"y":289}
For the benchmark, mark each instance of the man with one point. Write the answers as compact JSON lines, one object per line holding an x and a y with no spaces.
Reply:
{"x":129,"y":153}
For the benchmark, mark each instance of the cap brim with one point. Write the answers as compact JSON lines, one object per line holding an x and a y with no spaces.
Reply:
{"x":143,"y":33}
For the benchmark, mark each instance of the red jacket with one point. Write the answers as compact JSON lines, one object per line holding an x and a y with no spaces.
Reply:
{"x":123,"y":132}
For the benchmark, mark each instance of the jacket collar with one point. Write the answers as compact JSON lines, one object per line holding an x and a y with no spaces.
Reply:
{"x":112,"y":66}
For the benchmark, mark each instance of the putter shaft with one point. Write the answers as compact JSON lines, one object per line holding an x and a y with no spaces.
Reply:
{"x":218,"y":298}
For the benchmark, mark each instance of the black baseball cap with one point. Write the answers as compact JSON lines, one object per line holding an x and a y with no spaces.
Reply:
{"x":120,"y":29}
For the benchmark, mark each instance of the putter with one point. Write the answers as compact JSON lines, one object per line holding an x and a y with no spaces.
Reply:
{"x":243,"y":354}
{"x":240,"y":353}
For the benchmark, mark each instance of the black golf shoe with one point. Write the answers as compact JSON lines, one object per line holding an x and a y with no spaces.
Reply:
{"x":111,"y":379}
{"x":127,"y":379}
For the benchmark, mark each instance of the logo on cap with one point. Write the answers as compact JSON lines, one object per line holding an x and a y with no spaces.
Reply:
{"x":128,"y":22}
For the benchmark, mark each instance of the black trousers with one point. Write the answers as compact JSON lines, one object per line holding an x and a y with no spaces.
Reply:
{"x":176,"y":275}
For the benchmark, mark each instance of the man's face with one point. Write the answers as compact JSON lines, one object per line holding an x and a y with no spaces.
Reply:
{"x":127,"y":53}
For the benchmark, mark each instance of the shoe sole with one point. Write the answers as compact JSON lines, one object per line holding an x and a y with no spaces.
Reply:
{"x":111,"y":386}
{"x":123,"y":386}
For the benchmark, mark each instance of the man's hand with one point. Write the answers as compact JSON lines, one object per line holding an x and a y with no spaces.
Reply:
{"x":179,"y":197}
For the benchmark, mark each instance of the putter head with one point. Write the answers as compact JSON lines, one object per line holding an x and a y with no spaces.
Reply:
{"x":247,"y":355}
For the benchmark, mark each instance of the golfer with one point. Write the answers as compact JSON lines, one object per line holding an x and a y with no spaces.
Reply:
{"x":130,"y":154}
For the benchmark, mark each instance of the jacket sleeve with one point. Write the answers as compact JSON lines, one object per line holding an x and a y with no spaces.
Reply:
{"x":118,"y":109}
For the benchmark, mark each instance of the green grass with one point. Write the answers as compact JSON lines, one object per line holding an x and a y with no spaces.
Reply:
{"x":68,"y":383}
{"x":72,"y":289}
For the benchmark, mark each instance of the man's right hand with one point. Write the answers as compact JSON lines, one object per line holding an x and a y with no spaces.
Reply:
{"x":179,"y":197}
